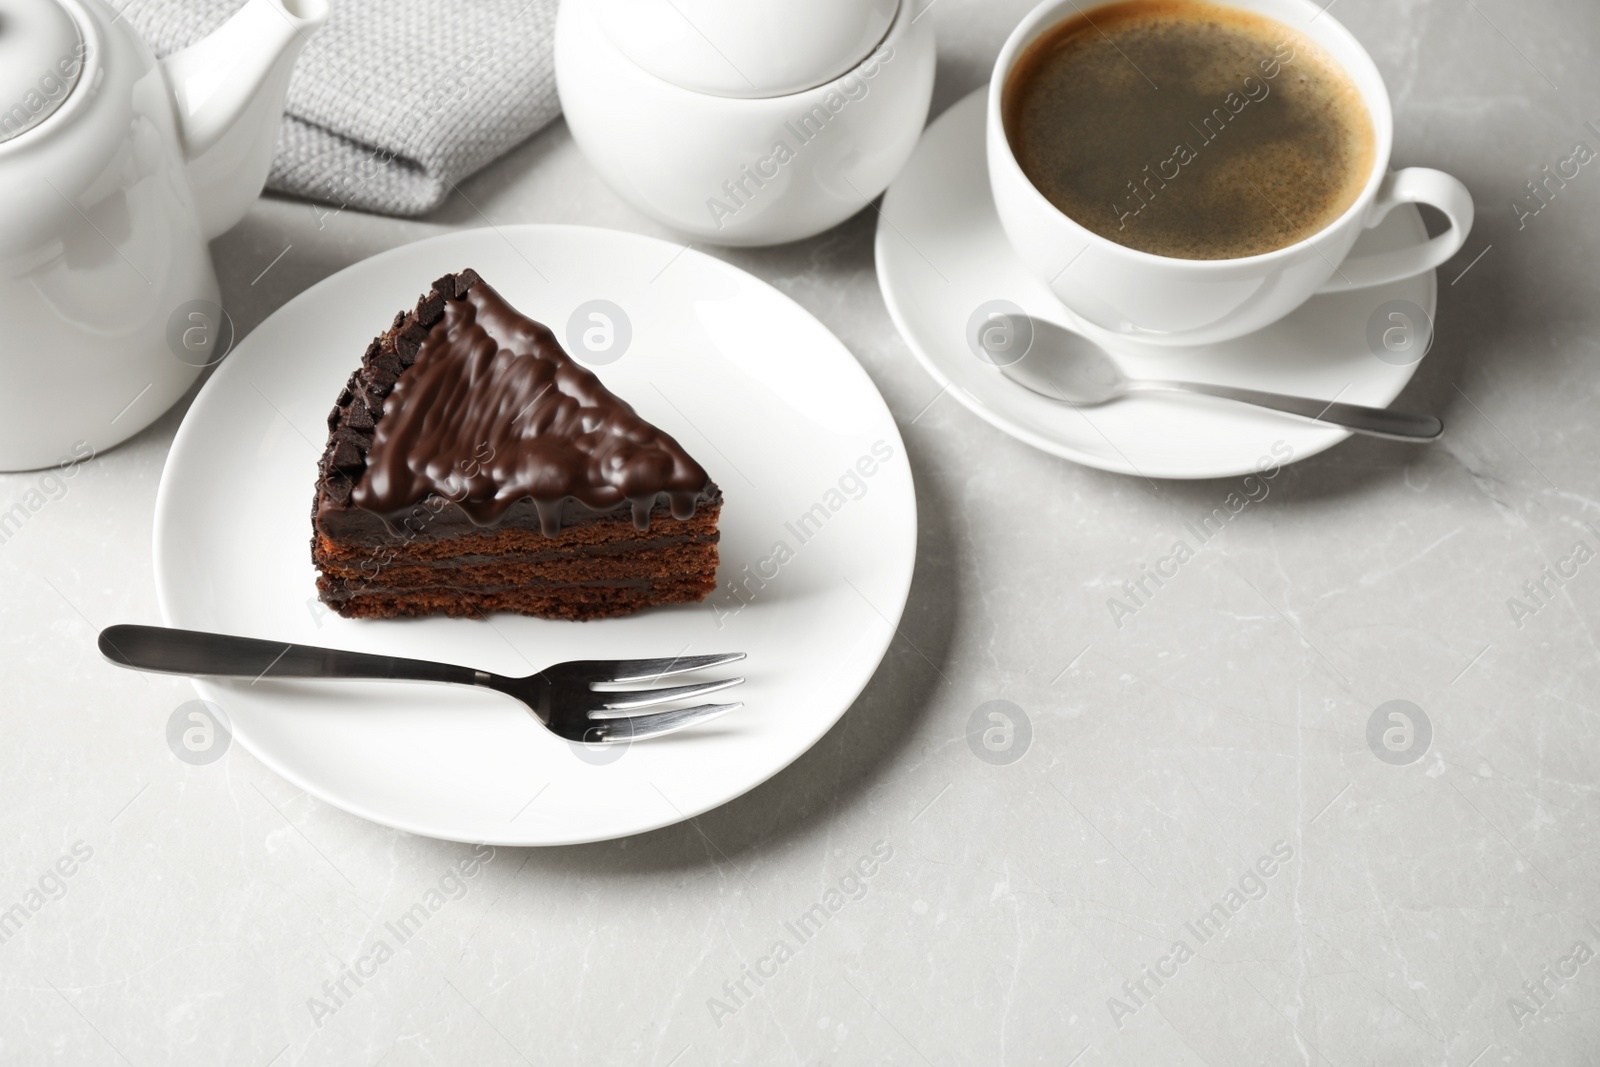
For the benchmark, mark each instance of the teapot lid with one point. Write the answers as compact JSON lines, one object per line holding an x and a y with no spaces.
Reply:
{"x":41,"y":56}
{"x":746,"y":48}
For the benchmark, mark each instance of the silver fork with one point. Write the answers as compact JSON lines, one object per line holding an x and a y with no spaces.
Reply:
{"x":563,"y":697}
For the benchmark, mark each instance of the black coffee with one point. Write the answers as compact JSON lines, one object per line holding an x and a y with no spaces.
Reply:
{"x":1188,"y":129}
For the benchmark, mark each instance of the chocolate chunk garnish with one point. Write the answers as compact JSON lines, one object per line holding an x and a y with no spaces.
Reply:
{"x":385,"y":375}
{"x":408,"y":340}
{"x":372,"y":399}
{"x":358,"y":417}
{"x":430,"y":308}
{"x":337,"y":490}
{"x":387,"y":363}
{"x":346,"y":456}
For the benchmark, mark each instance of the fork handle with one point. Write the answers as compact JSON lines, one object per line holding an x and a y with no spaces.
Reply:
{"x":159,"y":648}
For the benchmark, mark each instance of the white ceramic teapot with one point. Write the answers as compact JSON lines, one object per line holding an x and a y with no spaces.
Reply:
{"x":115,"y":170}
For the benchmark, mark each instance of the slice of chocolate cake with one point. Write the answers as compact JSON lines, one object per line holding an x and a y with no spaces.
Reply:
{"x":473,"y":466}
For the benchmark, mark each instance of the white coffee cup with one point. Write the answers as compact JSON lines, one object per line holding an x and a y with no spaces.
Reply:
{"x":1162,"y":300}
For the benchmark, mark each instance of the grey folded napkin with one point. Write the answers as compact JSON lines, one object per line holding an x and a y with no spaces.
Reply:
{"x":394,"y":101}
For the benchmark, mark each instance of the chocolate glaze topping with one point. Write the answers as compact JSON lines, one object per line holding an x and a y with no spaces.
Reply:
{"x":486,"y":410}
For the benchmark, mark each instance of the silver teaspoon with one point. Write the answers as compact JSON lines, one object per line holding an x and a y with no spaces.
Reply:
{"x":1072,"y":369}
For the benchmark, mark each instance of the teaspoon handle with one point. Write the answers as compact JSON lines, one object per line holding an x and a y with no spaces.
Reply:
{"x":1379,"y":422}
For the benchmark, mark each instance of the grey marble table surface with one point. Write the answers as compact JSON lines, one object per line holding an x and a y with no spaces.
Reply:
{"x":1209,"y":842}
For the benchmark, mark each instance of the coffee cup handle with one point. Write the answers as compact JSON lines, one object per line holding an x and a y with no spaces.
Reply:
{"x":1414,"y":185}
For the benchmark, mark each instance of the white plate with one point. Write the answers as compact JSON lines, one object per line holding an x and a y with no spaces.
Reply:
{"x":941,"y":255}
{"x":755,"y":388}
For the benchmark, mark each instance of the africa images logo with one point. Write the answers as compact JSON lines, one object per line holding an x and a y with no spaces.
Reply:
{"x":1251,"y":886}
{"x":744,"y":188}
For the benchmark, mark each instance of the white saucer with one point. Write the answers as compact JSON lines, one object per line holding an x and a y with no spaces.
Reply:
{"x":941,"y":254}
{"x":755,"y":388}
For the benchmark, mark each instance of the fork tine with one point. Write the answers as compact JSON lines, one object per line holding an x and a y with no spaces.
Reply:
{"x":661,"y":723}
{"x":648,"y":670}
{"x":618,"y":704}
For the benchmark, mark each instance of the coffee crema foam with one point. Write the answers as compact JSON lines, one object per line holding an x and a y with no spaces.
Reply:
{"x":1188,"y":129}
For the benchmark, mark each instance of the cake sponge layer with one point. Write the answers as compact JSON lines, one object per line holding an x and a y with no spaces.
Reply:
{"x":587,"y":571}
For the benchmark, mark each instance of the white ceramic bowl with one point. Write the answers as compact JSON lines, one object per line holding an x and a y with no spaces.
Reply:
{"x":746,"y":47}
{"x":744,"y":171}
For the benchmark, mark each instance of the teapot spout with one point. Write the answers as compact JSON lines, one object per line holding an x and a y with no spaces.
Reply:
{"x":228,"y":93}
